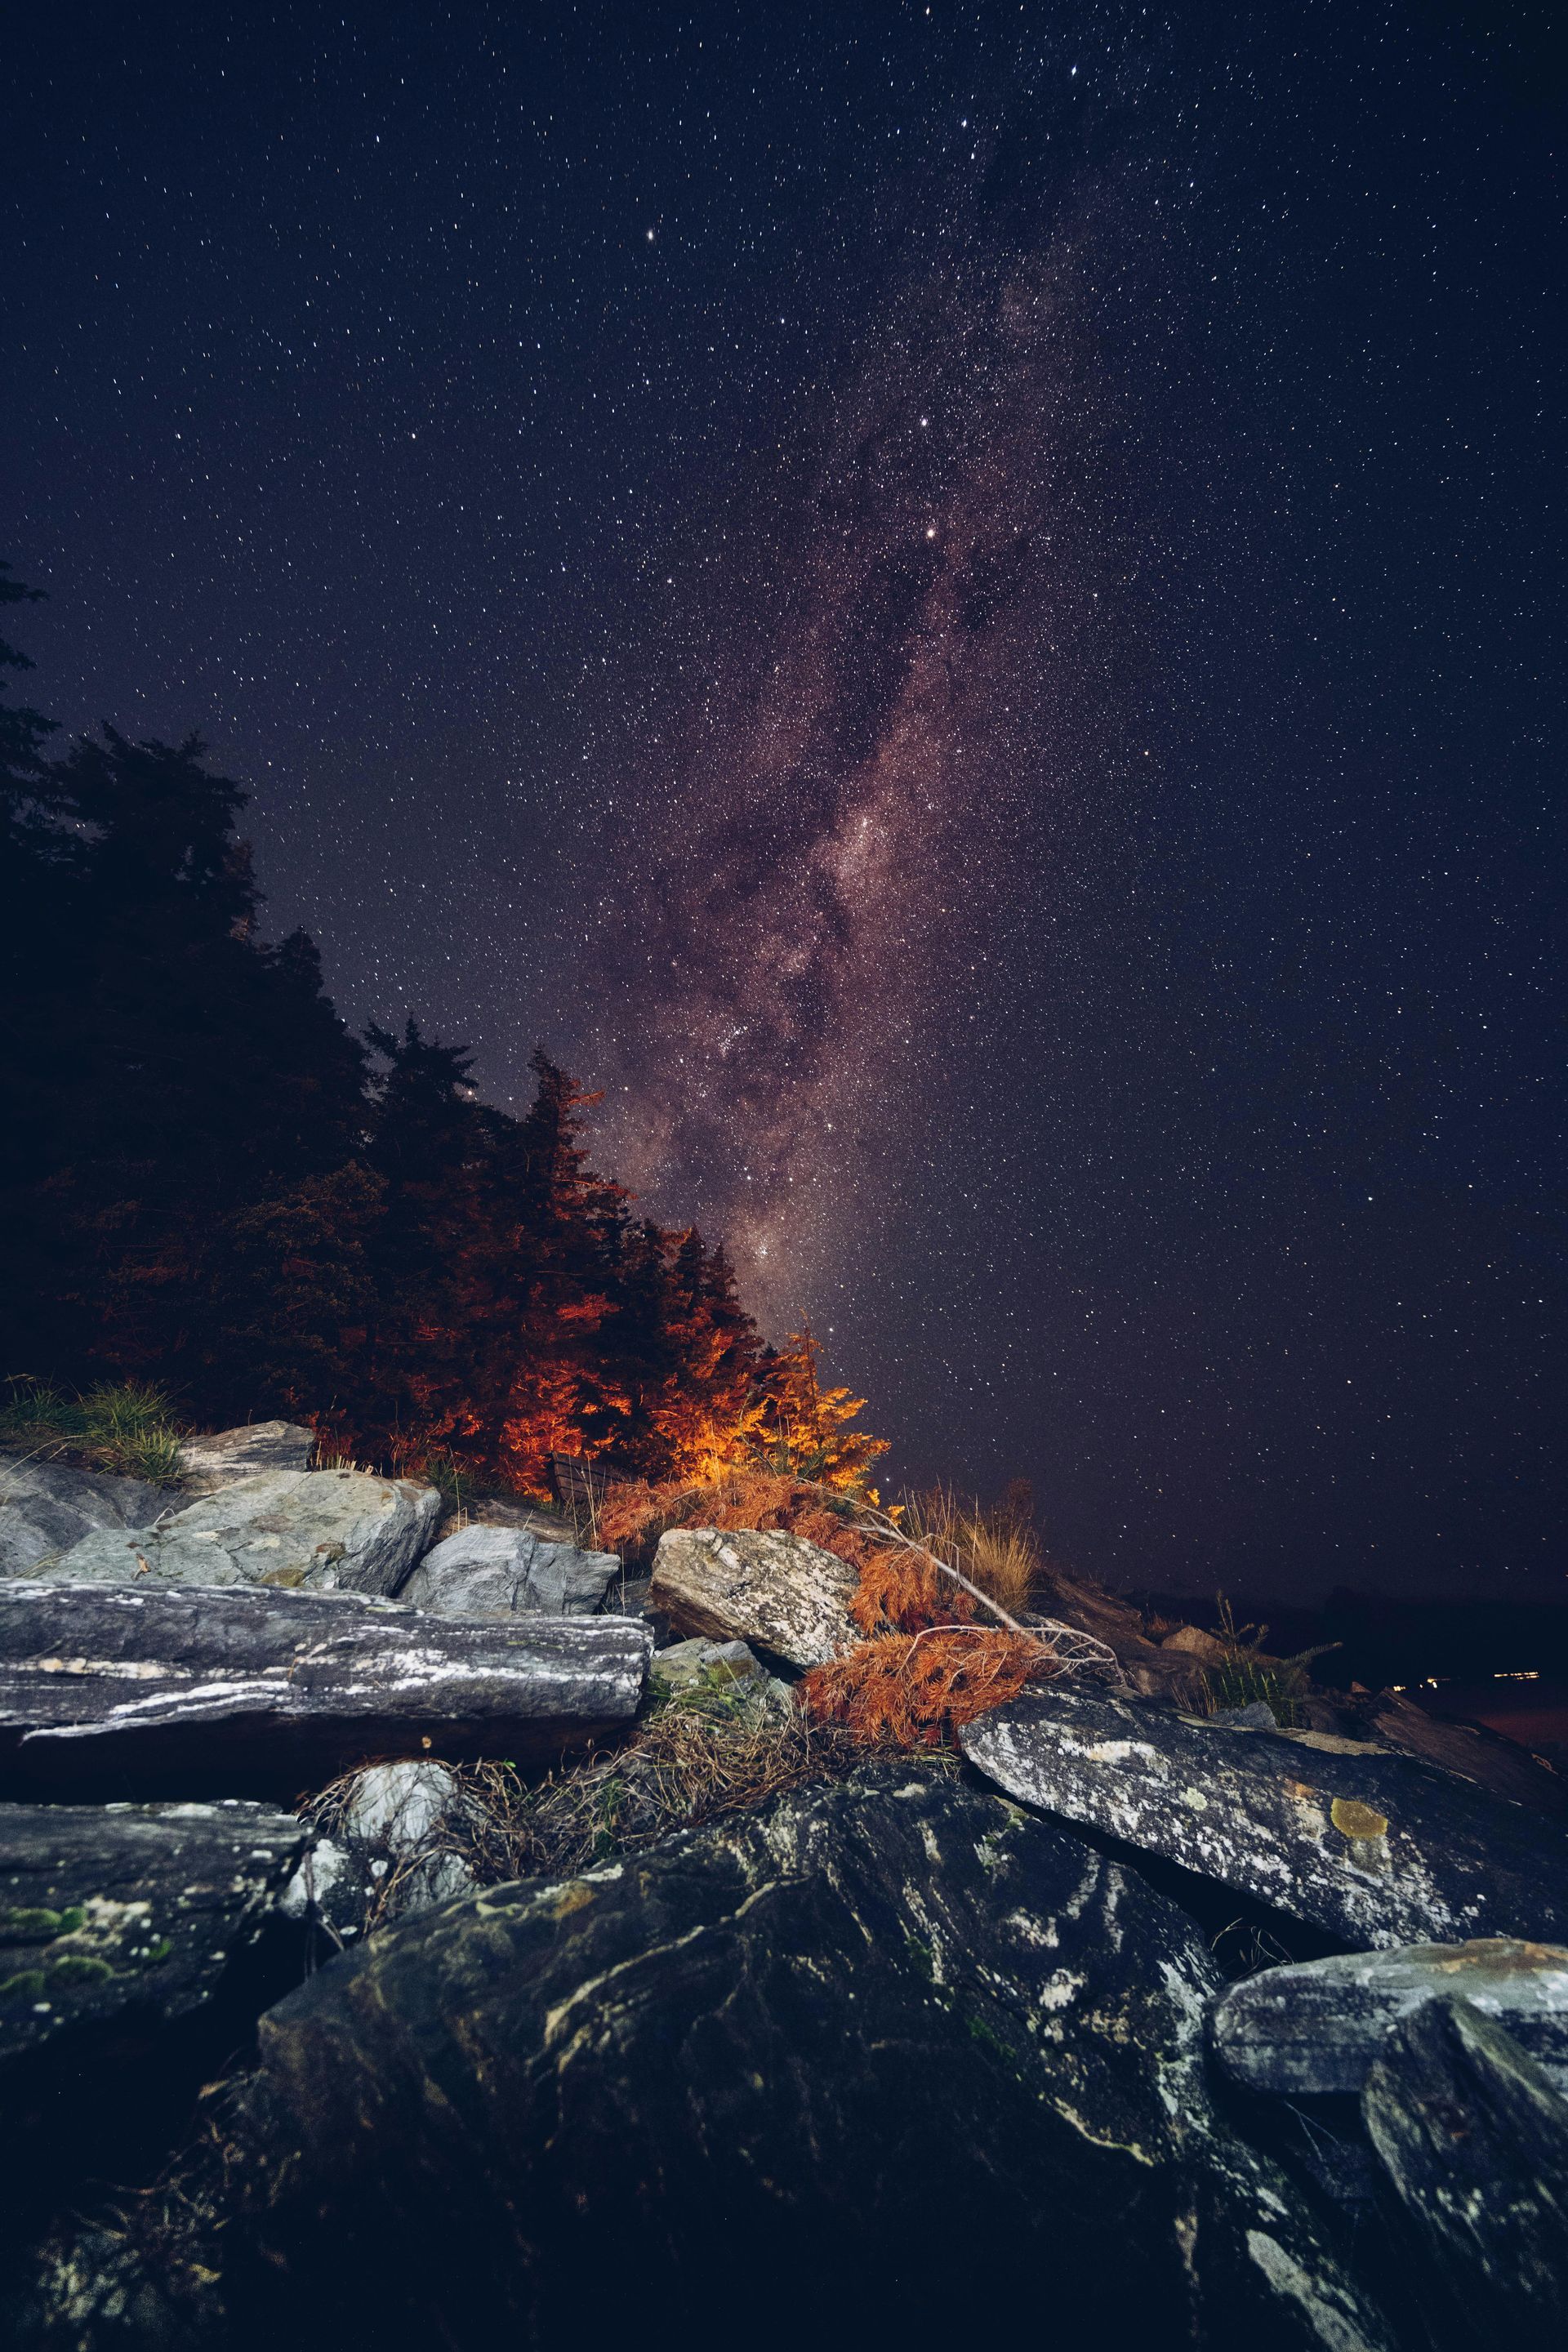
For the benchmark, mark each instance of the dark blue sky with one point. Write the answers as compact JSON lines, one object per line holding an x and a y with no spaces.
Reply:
{"x":962,"y":607}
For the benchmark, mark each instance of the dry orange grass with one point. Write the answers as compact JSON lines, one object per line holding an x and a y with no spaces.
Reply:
{"x":994,"y":1551}
{"x":914,"y":1690}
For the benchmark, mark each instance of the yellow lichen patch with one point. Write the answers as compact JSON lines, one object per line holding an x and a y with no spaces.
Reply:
{"x":572,"y":1898}
{"x":1355,"y":1819}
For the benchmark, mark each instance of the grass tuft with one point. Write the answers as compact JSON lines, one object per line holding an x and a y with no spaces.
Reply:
{"x":124,"y":1426}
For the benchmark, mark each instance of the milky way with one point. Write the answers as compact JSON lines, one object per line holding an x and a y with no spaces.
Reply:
{"x":911,"y":625}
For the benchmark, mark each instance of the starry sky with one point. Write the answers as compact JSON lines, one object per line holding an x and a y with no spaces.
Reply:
{"x":960,"y":606}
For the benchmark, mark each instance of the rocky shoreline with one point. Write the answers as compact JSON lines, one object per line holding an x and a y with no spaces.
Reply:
{"x":372,"y":1971}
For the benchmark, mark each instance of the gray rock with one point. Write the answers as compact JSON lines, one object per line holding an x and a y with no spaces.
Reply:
{"x":329,"y":1530}
{"x":127,"y":1910}
{"x":218,"y":1458}
{"x":45,"y":1507}
{"x":787,"y":1598}
{"x":891,"y":2038}
{"x":491,"y":1571}
{"x":1317,"y":2027}
{"x":725,"y":1675}
{"x":691,"y":1665}
{"x":1379,"y":1848}
{"x":393,"y":1849}
{"x":154,"y":1688}
{"x":1255,"y":1715}
{"x":1473,"y":2140}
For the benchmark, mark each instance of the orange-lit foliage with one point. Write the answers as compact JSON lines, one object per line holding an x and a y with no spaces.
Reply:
{"x":915,"y":1690}
{"x":631,"y":1518}
{"x":807,"y":1427}
{"x":903,"y":1591}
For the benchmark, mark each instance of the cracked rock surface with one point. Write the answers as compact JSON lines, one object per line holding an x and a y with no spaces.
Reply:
{"x":891,"y":2035}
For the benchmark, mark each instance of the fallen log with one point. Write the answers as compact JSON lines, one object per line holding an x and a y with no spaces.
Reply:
{"x":146,"y":1690}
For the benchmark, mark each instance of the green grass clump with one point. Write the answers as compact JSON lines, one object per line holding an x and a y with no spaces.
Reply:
{"x":1246,"y":1673}
{"x":124,"y":1426}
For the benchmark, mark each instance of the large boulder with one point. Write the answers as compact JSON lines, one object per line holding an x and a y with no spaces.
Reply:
{"x":1317,"y":2027}
{"x":787,"y":1598}
{"x":329,"y":1530}
{"x":45,"y":1506}
{"x":157,"y":1689}
{"x":218,"y":1458}
{"x":1379,"y":1848}
{"x":885,"y":2061}
{"x":1473,"y":2141}
{"x":112,"y":1909}
{"x":498,"y":1572}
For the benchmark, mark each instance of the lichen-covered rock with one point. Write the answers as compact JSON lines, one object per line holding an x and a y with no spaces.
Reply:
{"x":498,"y":1571}
{"x":878,"y":2063}
{"x":1473,"y":2140}
{"x":115,"y":1908}
{"x":1379,"y":1848}
{"x":219,"y":1457}
{"x":787,"y":1598}
{"x":160,"y":1689}
{"x":45,"y":1506}
{"x":1317,"y":2027}
{"x":326,"y":1530}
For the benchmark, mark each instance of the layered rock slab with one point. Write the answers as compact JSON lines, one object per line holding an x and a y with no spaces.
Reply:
{"x":1379,"y":1848}
{"x":144,"y":1689}
{"x":784,"y":1596}
{"x":326,"y":1530}
{"x":886,"y":2053}
{"x":1316,"y":2028}
{"x":498,"y":1572}
{"x":1473,"y":2140}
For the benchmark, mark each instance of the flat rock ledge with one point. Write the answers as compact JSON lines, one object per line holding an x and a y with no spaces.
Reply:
{"x":1316,"y":2028}
{"x":784,"y":1597}
{"x":138,"y":1689}
{"x":1379,"y":1848}
{"x":112,"y":1909}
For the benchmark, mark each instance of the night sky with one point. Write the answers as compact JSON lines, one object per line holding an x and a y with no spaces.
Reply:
{"x":961,"y":607}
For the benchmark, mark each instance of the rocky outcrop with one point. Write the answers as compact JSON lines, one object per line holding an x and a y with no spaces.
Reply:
{"x":787,"y":1598}
{"x":327,"y":1530}
{"x":156,"y":1688}
{"x":46,"y":1507}
{"x":221,"y":1457}
{"x":110,"y":1910}
{"x":1317,"y":2028}
{"x":498,"y":1572}
{"x":1379,"y":1848}
{"x":886,"y":2056}
{"x":1473,"y":2141}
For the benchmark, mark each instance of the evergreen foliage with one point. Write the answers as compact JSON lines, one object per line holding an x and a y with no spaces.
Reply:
{"x":208,"y":1183}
